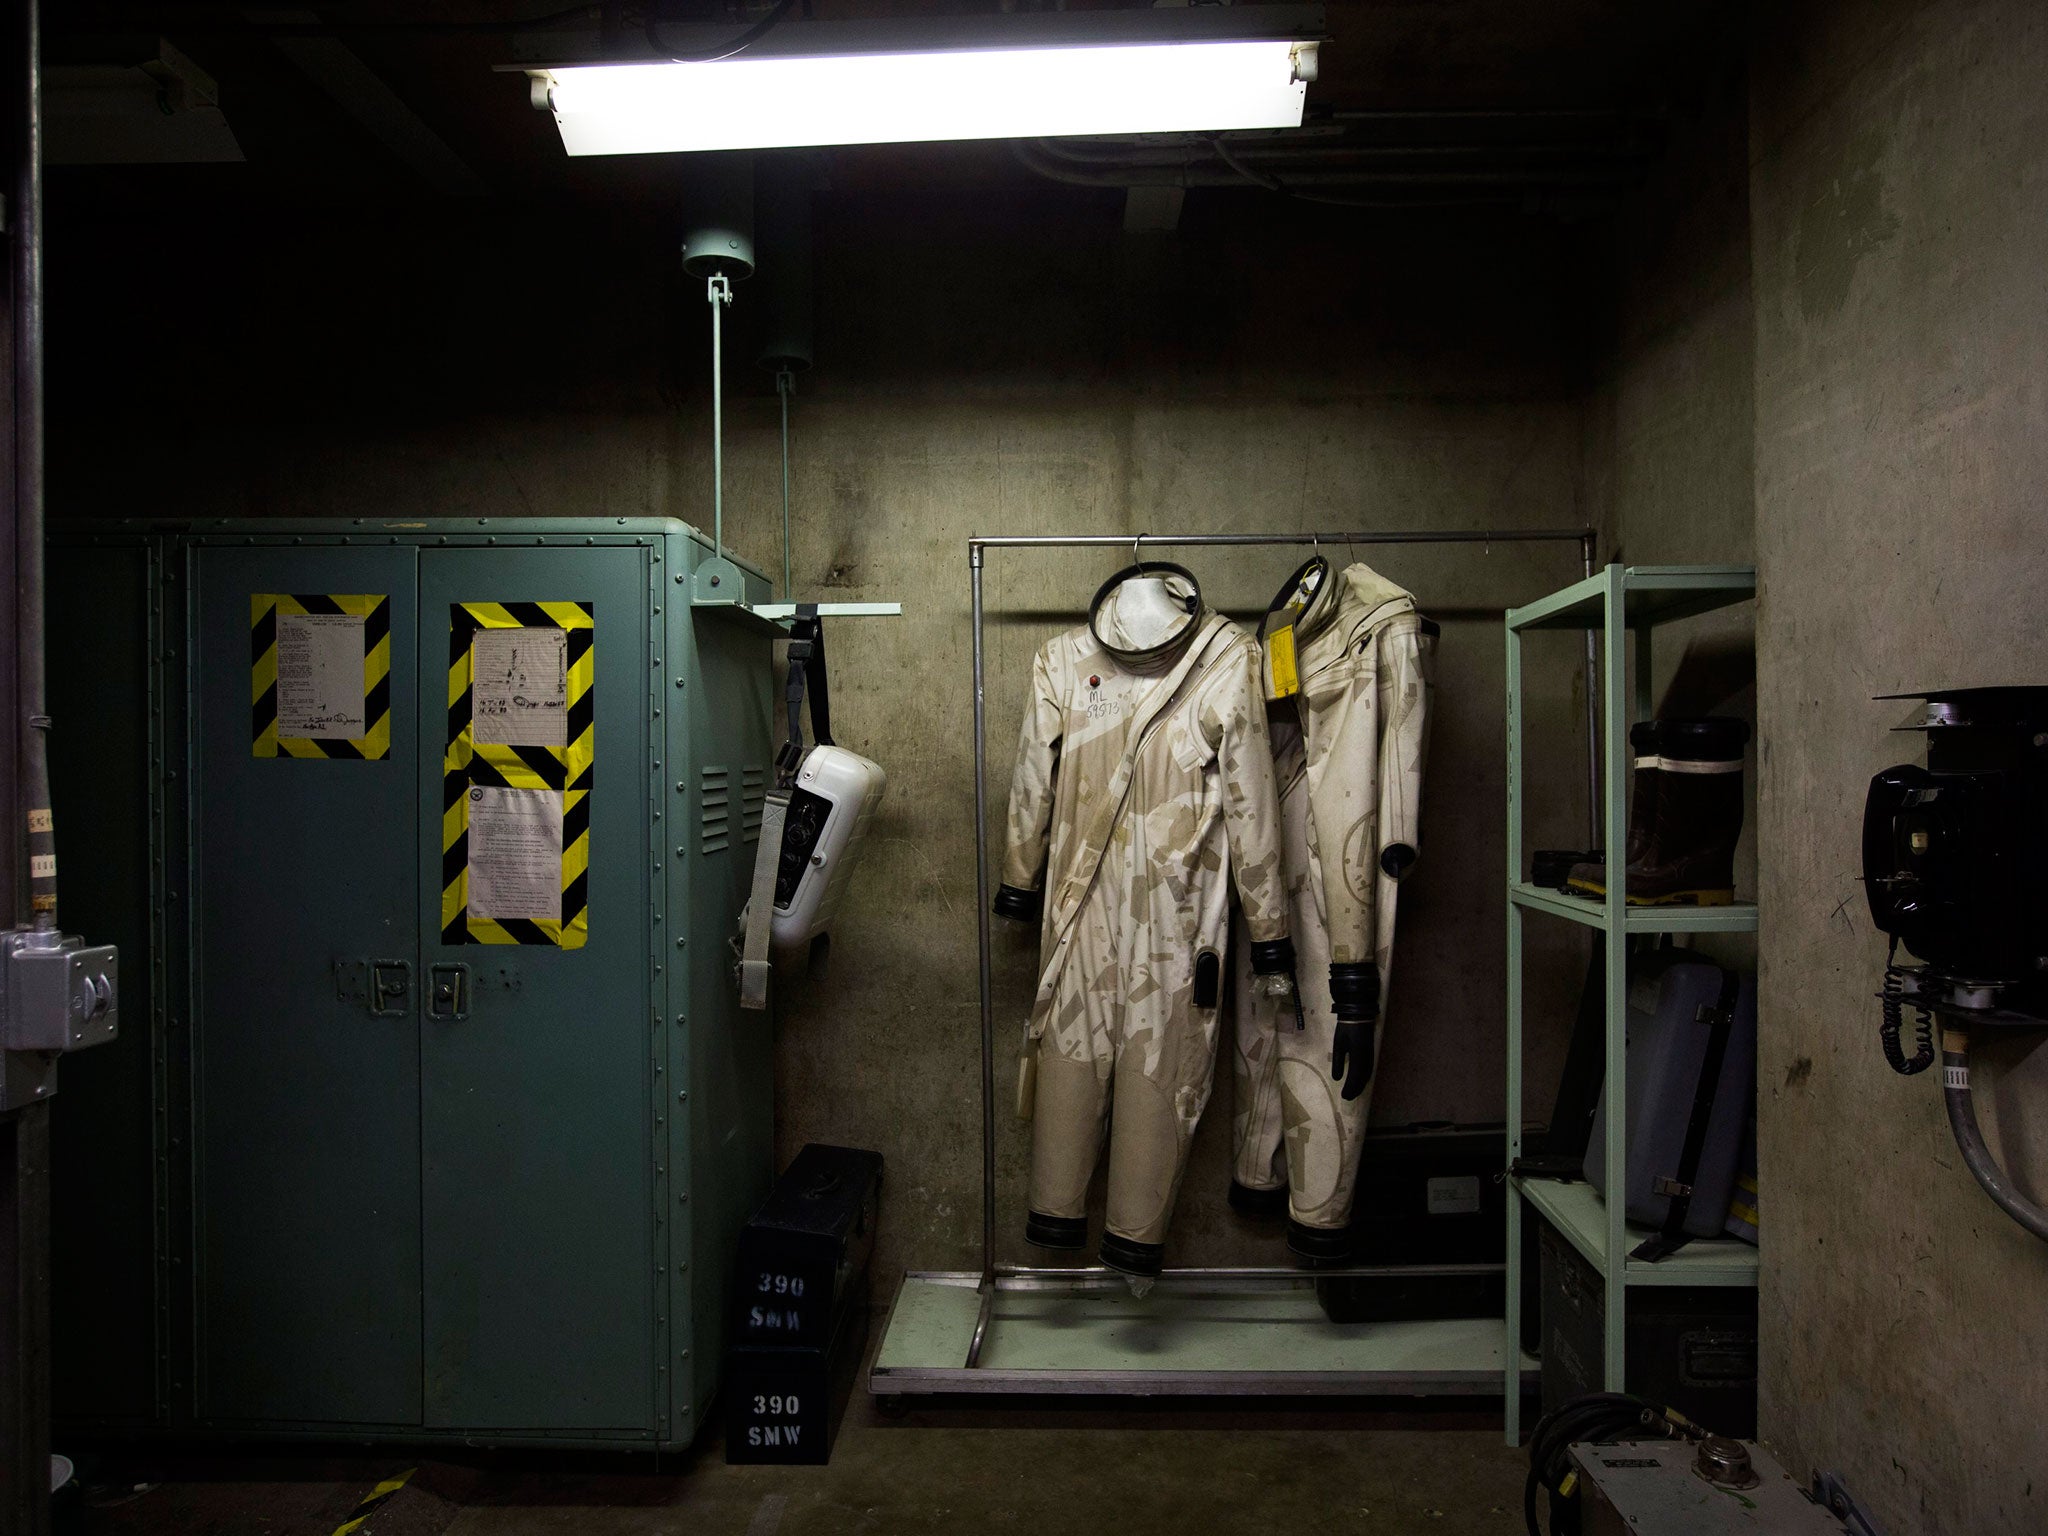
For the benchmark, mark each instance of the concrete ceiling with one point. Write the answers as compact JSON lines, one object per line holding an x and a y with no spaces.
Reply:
{"x":366,"y":101}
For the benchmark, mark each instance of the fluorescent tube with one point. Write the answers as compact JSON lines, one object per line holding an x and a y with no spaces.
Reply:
{"x":775,"y":102}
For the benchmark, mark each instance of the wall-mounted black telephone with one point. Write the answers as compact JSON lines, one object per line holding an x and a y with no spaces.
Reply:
{"x":1955,"y":864}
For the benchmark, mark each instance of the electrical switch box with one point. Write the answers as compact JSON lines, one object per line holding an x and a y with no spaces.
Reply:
{"x":59,"y":993}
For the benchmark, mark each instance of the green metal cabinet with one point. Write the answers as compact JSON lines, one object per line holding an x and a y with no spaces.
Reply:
{"x":373,"y":1171}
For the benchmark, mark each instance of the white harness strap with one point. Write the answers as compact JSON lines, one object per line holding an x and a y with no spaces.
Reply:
{"x":754,"y":967}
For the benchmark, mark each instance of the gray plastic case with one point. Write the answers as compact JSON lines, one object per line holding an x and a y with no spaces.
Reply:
{"x":1667,"y":1049}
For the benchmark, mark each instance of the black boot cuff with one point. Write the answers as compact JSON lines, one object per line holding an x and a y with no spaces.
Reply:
{"x":1320,"y":1246}
{"x":1131,"y":1256}
{"x":1019,"y":904}
{"x":1056,"y":1231}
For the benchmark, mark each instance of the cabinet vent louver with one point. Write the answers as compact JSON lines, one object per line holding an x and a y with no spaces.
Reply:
{"x":753,"y":793}
{"x":714,"y":810}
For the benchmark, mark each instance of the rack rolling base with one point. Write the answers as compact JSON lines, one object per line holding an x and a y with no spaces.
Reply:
{"x":1200,"y":1332}
{"x":1217,"y":1333}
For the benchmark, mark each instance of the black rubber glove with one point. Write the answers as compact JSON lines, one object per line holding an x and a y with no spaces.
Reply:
{"x":1355,"y":996}
{"x":1351,"y":1055}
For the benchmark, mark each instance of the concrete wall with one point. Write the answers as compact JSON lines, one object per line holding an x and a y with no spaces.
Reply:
{"x":1900,"y":196}
{"x":1009,"y":363}
{"x":1669,"y":417}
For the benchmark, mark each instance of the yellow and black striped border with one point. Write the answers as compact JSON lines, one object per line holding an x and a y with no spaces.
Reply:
{"x":373,"y":1501}
{"x":567,"y":770}
{"x":375,"y":611}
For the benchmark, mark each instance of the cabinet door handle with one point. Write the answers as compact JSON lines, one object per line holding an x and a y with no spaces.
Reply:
{"x":390,"y":988}
{"x":448,"y":991}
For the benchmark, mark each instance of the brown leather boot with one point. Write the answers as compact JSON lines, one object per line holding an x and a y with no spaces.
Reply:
{"x":1590,"y":879}
{"x":1690,"y":857}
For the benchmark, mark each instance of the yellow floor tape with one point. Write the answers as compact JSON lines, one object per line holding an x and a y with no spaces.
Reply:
{"x":374,"y":1500}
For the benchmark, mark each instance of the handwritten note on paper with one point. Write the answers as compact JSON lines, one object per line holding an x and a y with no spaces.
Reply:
{"x":519,"y":687}
{"x":320,"y":675}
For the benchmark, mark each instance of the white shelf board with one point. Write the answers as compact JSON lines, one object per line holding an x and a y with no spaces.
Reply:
{"x":1182,"y":1340}
{"x":1736,"y":917}
{"x":1577,"y":1210}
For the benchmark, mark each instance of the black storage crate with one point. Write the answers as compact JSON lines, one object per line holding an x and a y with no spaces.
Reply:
{"x":1692,"y":1348}
{"x":805,"y":1247}
{"x":1429,"y":1195}
{"x":1433,"y":1193}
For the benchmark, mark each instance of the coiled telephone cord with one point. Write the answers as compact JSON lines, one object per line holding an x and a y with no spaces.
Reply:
{"x":1893,"y":1001}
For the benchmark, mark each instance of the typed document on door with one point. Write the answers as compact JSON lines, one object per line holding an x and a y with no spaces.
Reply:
{"x":320,"y":675}
{"x":515,"y":853}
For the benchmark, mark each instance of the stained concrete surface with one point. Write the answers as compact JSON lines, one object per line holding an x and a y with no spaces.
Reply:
{"x":1670,"y":416}
{"x":1899,"y":193}
{"x":1399,"y":1468}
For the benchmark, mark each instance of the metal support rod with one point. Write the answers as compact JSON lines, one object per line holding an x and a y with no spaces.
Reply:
{"x":988,"y":1006}
{"x":976,"y":545}
{"x":1405,"y":536}
{"x":25,"y":1134}
{"x":1517,"y":774}
{"x":785,"y":383}
{"x":26,"y":216}
{"x":719,"y":293}
{"x":1091,"y":1273}
{"x":1592,"y":715}
{"x":1614,"y":775}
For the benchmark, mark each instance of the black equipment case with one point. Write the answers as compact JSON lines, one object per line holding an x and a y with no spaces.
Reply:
{"x":1429,"y":1195}
{"x":800,"y":1307}
{"x":805,"y":1246}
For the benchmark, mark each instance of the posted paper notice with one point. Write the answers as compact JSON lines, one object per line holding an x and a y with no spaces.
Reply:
{"x":320,"y":675}
{"x":519,"y":687}
{"x":515,"y":853}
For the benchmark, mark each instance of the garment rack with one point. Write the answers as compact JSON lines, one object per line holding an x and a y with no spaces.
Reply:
{"x":931,"y":1308}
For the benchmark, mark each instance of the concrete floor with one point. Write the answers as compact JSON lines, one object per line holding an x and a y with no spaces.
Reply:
{"x":1132,"y":1469}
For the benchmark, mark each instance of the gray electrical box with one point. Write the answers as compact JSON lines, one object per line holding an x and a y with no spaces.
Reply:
{"x":57,"y":994}
{"x":437,"y":1118}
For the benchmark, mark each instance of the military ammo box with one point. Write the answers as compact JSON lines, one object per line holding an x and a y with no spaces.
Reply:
{"x":800,"y":1307}
{"x":805,"y":1247}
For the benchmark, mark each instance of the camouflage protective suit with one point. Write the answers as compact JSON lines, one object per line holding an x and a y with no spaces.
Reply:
{"x":1349,"y":749}
{"x":1144,"y":781}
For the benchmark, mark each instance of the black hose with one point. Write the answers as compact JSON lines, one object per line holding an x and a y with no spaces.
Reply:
{"x":1962,"y":1120}
{"x":1600,"y":1416}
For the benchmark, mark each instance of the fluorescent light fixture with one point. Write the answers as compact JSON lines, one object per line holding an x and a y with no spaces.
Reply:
{"x":775,"y":96}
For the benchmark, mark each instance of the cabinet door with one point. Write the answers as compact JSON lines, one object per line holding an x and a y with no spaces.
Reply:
{"x":536,"y":1086}
{"x":306,"y":1158}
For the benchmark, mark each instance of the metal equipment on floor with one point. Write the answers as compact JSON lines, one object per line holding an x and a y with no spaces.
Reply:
{"x":1717,"y":1487}
{"x":436,"y":1117}
{"x":1201,"y":1331}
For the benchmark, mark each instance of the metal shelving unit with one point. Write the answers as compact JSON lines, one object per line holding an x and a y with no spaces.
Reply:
{"x":1621,"y":605}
